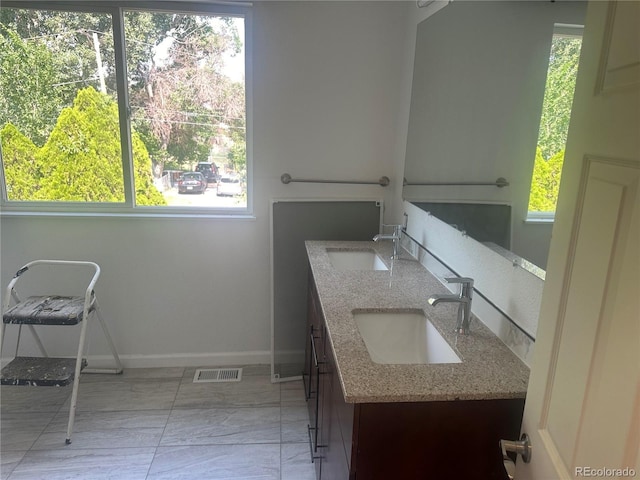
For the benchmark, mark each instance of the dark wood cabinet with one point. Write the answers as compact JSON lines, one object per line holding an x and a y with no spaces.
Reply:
{"x":337,"y":423}
{"x":313,"y":374}
{"x":404,"y":440}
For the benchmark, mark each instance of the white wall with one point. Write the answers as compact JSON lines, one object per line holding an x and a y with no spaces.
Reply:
{"x":477,"y":98}
{"x":186,"y":291}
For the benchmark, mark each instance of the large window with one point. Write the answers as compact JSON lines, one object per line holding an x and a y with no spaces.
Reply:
{"x":107,"y":108}
{"x":554,"y":123}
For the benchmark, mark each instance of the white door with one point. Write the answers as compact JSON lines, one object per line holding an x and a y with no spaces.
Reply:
{"x":582,"y":412}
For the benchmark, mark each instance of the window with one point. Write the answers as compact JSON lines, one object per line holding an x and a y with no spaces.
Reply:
{"x":554,"y":123}
{"x":80,"y":132}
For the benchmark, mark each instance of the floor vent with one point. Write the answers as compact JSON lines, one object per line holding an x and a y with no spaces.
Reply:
{"x":204,"y":375}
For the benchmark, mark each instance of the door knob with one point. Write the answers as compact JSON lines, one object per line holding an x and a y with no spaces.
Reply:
{"x":521,"y":447}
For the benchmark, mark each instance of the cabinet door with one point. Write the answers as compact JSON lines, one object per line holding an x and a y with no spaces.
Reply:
{"x":313,"y":372}
{"x":334,"y":456}
{"x":313,"y":338}
{"x":314,"y":399}
{"x":427,"y":440}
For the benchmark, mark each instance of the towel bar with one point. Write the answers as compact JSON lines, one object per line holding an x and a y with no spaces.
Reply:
{"x":286,"y":179}
{"x":500,"y":182}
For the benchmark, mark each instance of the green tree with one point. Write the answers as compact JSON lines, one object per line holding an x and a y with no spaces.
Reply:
{"x":186,"y":99}
{"x":69,"y":37}
{"x":237,"y":155}
{"x":545,"y":184}
{"x":146,"y":192}
{"x":554,"y":123}
{"x":81,"y":160}
{"x":20,"y":168}
{"x":181,"y":105}
{"x":27,"y":100}
{"x":558,"y":95}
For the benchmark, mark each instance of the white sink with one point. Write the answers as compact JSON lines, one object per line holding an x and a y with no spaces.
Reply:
{"x":398,"y":337}
{"x":365,"y":259}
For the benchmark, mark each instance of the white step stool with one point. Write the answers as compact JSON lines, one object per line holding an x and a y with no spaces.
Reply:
{"x":52,"y":310}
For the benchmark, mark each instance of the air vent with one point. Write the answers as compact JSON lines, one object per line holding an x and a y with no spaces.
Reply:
{"x":204,"y":375}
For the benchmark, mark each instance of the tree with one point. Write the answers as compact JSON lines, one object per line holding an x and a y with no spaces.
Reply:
{"x":82,"y":158}
{"x":558,"y":95}
{"x":181,"y":104}
{"x":27,"y":100}
{"x":237,"y":155}
{"x":545,"y":183}
{"x":146,"y":192}
{"x":69,"y":37}
{"x":554,"y":124}
{"x":187,"y":98}
{"x":20,"y":168}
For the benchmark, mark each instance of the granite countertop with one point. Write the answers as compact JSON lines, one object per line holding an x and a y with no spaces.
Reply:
{"x":489,"y":370}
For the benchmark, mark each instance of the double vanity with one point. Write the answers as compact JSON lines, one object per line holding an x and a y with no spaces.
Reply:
{"x":393,"y":391}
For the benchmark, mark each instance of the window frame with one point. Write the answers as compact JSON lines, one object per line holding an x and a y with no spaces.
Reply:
{"x":117,"y":8}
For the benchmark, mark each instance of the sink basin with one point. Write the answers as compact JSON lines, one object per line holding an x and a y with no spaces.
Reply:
{"x":355,"y":260}
{"x":399,"y":337}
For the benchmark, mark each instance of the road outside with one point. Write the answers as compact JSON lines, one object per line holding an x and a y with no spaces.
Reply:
{"x":208,"y":199}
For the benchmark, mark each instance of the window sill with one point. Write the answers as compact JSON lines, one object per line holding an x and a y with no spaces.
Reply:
{"x":540,"y":217}
{"x":127,"y":214}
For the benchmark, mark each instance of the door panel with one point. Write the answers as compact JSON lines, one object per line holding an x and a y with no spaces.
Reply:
{"x":583,"y":404}
{"x":590,"y":399}
{"x":610,"y":401}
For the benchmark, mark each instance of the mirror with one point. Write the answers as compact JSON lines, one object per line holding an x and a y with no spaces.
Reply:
{"x":478,"y":84}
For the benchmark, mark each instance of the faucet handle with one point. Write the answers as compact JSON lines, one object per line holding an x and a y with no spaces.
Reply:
{"x":466,"y":283}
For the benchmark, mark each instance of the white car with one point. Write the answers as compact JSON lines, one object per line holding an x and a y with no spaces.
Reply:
{"x":229,"y":185}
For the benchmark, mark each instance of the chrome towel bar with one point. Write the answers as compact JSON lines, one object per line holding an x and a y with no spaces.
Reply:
{"x":500,"y":182}
{"x":286,"y":179}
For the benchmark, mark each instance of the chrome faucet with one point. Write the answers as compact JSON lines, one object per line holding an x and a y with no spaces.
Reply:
{"x":463,"y":298}
{"x":395,"y":236}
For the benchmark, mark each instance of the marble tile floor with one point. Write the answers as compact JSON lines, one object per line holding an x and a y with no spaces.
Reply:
{"x":156,"y":424}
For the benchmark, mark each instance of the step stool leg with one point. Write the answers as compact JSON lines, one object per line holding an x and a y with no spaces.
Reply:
{"x":76,"y":379}
{"x":4,"y":325}
{"x":118,"y":367}
{"x":18,"y":340}
{"x":112,"y":347}
{"x":72,"y":409}
{"x":36,"y":337}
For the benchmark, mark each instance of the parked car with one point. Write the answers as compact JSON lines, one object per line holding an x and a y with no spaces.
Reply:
{"x":229,"y":185}
{"x":192,"y":182}
{"x":209,"y":170}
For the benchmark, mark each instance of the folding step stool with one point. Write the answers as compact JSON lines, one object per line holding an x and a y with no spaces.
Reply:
{"x":52,"y":310}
